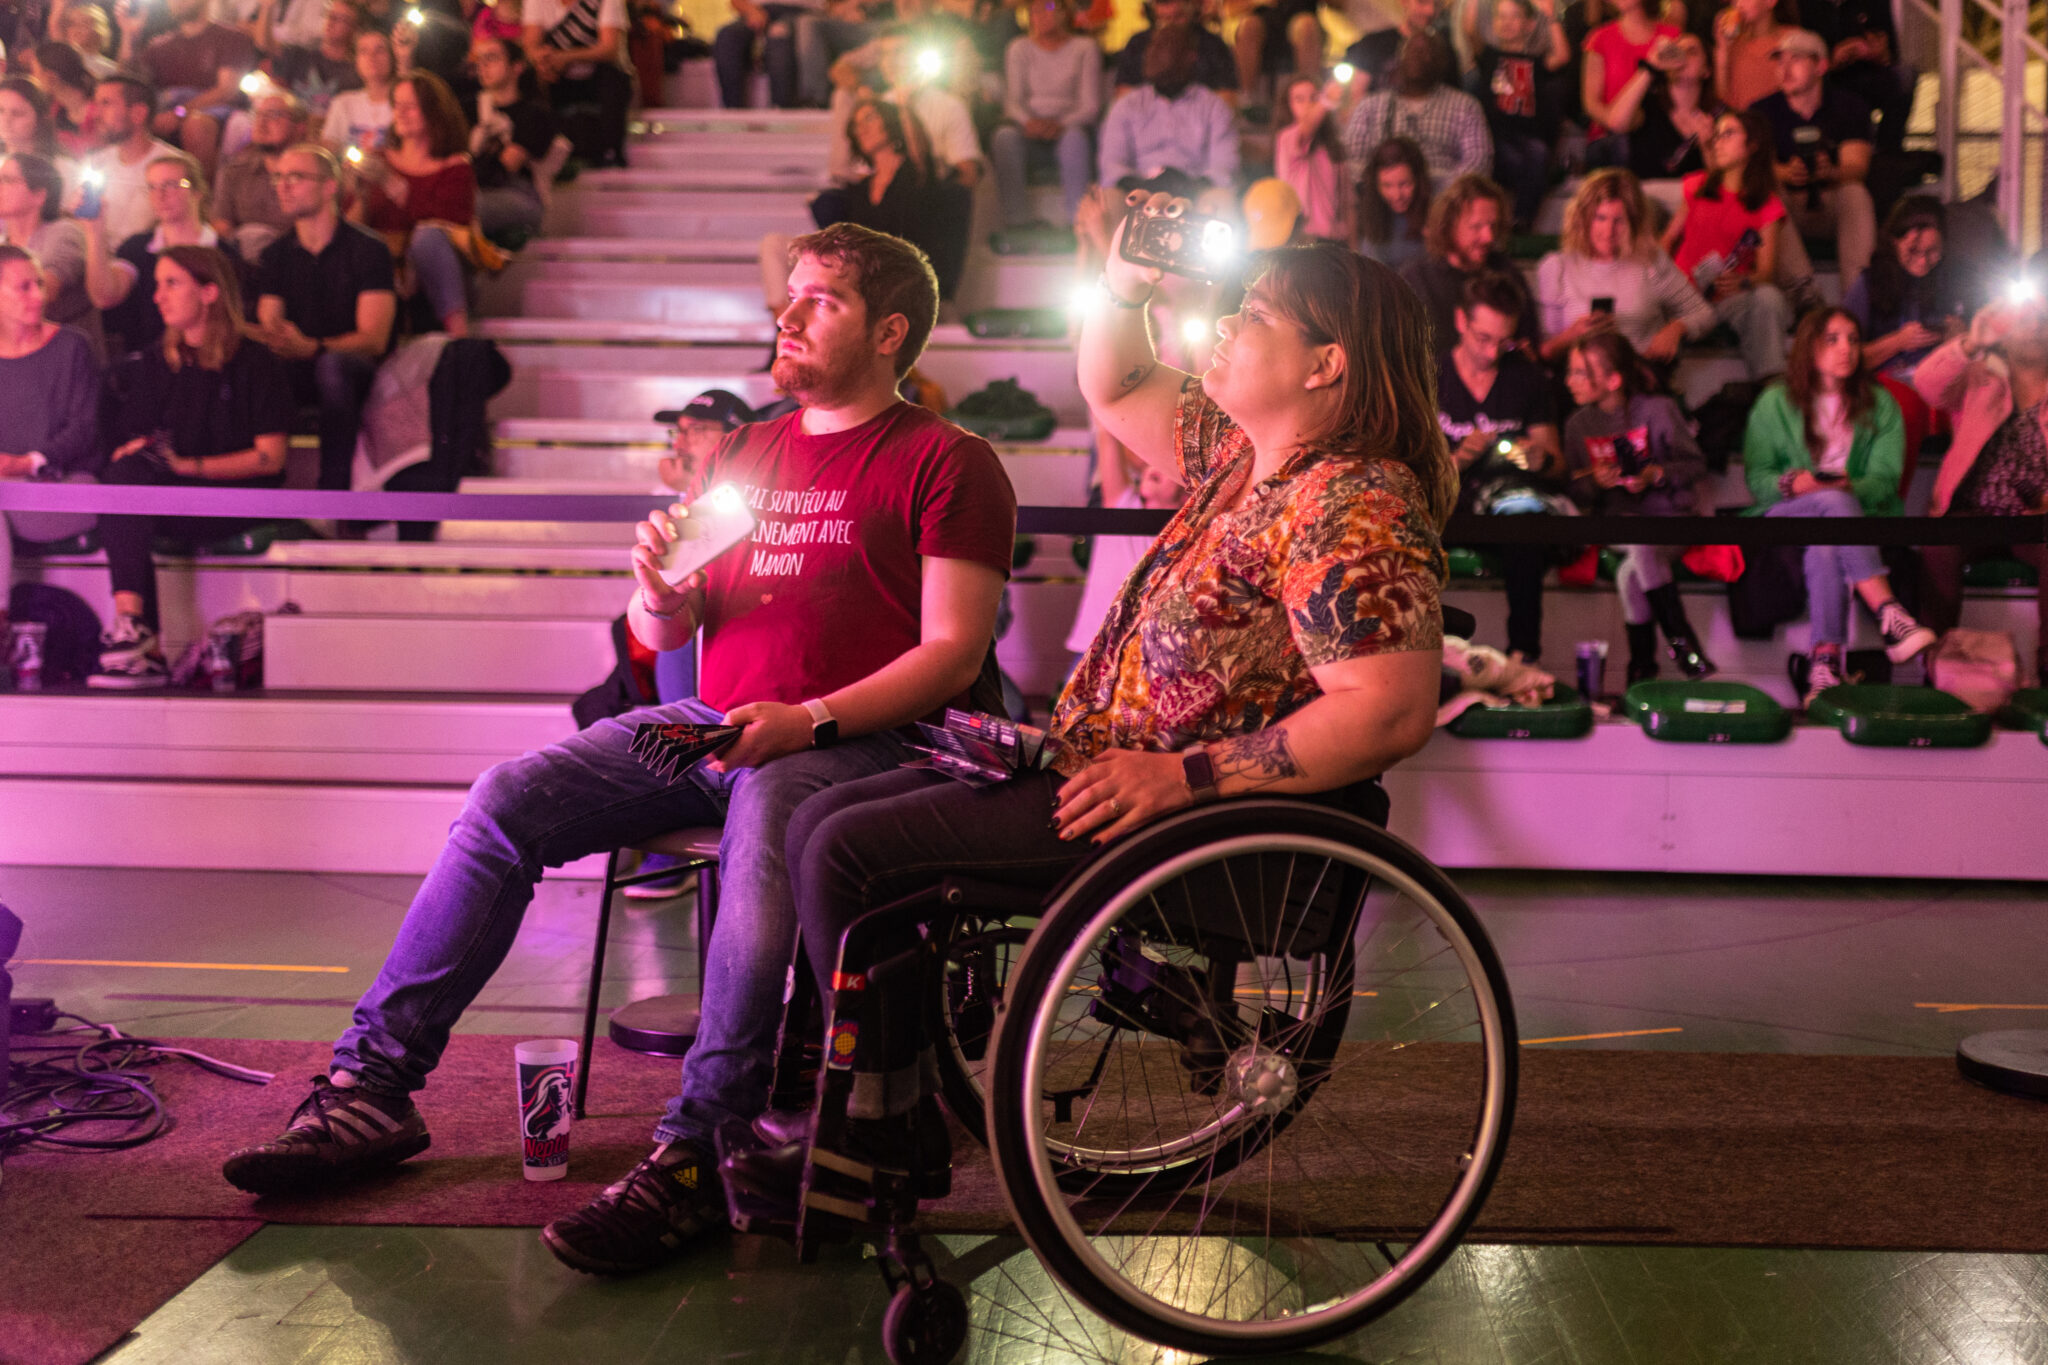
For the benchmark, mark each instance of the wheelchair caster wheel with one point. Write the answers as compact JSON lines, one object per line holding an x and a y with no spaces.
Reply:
{"x":925,"y":1326}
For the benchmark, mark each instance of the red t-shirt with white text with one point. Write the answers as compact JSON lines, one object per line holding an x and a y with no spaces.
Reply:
{"x":829,"y":588}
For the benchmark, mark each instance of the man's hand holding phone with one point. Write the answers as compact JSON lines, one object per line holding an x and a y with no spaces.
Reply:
{"x":654,"y":538}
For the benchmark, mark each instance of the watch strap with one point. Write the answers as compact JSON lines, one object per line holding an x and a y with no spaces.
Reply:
{"x":1198,"y":770}
{"x":824,"y":726}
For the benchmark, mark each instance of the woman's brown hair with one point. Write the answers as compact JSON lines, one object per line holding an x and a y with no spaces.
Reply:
{"x":1617,"y":355}
{"x":1610,"y":186}
{"x":223,"y":316}
{"x":1802,"y":385}
{"x":1386,"y":407}
{"x":1759,"y":176}
{"x":40,"y":176}
{"x":1375,"y":220}
{"x":447,"y":129}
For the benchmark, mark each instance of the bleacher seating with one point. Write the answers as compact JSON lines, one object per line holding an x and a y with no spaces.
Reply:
{"x":397,"y":672}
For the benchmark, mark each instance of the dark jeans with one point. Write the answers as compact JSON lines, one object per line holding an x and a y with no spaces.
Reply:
{"x":1941,"y":586}
{"x":1522,"y":569}
{"x":1522,"y":165}
{"x":859,"y":846}
{"x":600,"y":138}
{"x":338,"y":384}
{"x":732,"y":54}
{"x":127,"y":539}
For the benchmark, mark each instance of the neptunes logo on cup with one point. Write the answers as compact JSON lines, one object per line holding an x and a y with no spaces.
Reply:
{"x":547,"y":1081}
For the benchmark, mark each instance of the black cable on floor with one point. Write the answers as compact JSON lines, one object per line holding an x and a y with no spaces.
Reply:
{"x":96,"y":1096}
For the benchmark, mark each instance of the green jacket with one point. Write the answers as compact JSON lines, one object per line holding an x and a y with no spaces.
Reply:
{"x":1775,"y":444}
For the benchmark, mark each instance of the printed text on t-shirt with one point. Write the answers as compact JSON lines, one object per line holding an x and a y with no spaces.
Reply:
{"x":772,"y":557}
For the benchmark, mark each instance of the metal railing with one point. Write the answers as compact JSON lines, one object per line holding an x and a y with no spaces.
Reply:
{"x":2020,"y":118}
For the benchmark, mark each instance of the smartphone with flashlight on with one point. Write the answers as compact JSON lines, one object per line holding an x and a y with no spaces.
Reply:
{"x":1201,"y":248}
{"x":92,"y":183}
{"x":705,"y":530}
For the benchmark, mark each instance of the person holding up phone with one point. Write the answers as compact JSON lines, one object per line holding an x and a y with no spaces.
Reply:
{"x":866,"y":600}
{"x":1826,"y":441}
{"x":1608,"y":256}
{"x":31,"y":216}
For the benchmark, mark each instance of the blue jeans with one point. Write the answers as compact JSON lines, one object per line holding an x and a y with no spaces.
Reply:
{"x":820,"y":39}
{"x":1522,"y":165}
{"x":1014,"y":155}
{"x":732,"y":55}
{"x":442,"y":273}
{"x":585,"y":795}
{"x":1831,"y":570}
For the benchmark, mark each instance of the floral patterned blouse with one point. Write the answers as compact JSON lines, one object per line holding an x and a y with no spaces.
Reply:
{"x":1214,"y":633}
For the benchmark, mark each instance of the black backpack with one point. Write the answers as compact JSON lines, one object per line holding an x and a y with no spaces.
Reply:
{"x":71,"y":650}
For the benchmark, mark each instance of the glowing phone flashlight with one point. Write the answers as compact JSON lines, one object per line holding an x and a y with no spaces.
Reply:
{"x":1343,"y":72}
{"x":415,"y":16}
{"x":1195,"y":331}
{"x":929,"y":63}
{"x":354,"y":156}
{"x":92,"y":177}
{"x":1218,"y":240}
{"x":252,"y":84}
{"x":2022,"y":290}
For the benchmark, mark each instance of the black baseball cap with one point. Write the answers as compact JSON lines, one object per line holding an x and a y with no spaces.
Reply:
{"x":712,"y":405}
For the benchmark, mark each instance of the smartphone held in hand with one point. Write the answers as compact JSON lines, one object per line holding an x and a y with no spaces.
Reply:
{"x":705,"y":530}
{"x":1201,"y":248}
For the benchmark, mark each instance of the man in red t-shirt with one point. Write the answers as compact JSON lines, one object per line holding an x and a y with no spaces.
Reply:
{"x":865,"y":600}
{"x":197,"y":70}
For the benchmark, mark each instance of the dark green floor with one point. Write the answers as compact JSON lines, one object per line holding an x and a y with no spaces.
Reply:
{"x":1703,"y":963}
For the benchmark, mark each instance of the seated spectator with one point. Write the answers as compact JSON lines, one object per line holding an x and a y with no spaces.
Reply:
{"x":1279,"y":35}
{"x":246,"y":212}
{"x":1671,"y":105}
{"x":1863,"y":59}
{"x":316,"y":74}
{"x":512,"y":135}
{"x":419,"y":194}
{"x":1910,"y":301}
{"x":1746,"y":36}
{"x":1827,"y":442}
{"x":774,"y":27}
{"x":121,"y":281}
{"x":822,"y":37}
{"x":325,"y":303}
{"x":1725,"y":240}
{"x":1458,"y":243}
{"x":1309,"y":156}
{"x":284,"y":24}
{"x":1052,"y":97}
{"x":1373,"y":57}
{"x":1423,"y":107}
{"x":1215,"y":65}
{"x":358,"y":118}
{"x":207,"y":408}
{"x":1613,"y":54}
{"x":437,"y":42}
{"x":1171,"y":124}
{"x":25,"y":122}
{"x":1608,"y":271}
{"x":196,"y":67}
{"x":888,"y":67}
{"x":1998,"y":463}
{"x":49,"y":425}
{"x":1111,"y":558}
{"x":1393,"y":203}
{"x":74,"y":119}
{"x":1495,"y":407}
{"x":1823,"y":144}
{"x":124,"y":105}
{"x":576,"y":48}
{"x":85,"y":29}
{"x":30,"y":217}
{"x":487,"y":20}
{"x":696,"y":429}
{"x":1517,"y":85}
{"x":1630,"y":452}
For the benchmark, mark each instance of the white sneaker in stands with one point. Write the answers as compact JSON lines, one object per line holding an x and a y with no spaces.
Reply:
{"x":1824,"y":672}
{"x":1903,"y":636}
{"x":130,"y":658}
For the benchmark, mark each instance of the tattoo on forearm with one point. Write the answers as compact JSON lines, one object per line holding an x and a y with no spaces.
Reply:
{"x":1136,"y":376}
{"x":1260,"y":759}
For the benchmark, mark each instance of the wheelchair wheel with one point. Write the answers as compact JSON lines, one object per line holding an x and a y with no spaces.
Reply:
{"x":976,"y":957}
{"x":1251,"y":1054}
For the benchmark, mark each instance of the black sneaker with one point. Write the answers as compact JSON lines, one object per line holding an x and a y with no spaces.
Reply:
{"x":645,"y":1219}
{"x":1903,"y":636}
{"x":337,"y":1134}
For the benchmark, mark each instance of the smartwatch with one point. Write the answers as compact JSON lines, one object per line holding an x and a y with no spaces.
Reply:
{"x":824,"y":729}
{"x":1198,"y":770}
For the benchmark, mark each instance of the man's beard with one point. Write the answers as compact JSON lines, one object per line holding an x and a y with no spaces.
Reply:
{"x":812,"y":383}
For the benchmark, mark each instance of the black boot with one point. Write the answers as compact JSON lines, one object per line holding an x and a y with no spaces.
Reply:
{"x":1642,"y":652}
{"x":1669,"y":613}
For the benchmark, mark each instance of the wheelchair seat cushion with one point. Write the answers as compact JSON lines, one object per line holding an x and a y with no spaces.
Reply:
{"x":1567,"y":715}
{"x":1901,"y":717}
{"x":1707,"y":713}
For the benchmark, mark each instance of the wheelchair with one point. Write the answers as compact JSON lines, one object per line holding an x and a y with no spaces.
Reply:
{"x":1245,"y":1079}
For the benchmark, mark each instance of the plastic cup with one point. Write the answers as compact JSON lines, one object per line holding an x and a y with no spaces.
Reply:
{"x":547,"y":1086}
{"x":1592,"y":668}
{"x":25,"y":642}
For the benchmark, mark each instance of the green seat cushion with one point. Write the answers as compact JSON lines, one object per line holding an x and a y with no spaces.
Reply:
{"x":1004,"y":411}
{"x":1467,"y":562}
{"x":1050,"y":323}
{"x":2026,"y":709}
{"x":1567,"y":715}
{"x":1900,"y":717}
{"x":1999,"y":573}
{"x":253,"y":540}
{"x":1041,"y":239}
{"x":1707,"y":713}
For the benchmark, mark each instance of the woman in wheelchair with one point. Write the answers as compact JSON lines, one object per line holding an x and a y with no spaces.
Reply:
{"x":1281,"y":636}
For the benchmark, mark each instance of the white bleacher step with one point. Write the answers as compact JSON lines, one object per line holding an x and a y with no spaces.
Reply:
{"x":618,"y":535}
{"x":447,"y":557}
{"x":674,"y":250}
{"x":679,"y":122}
{"x":734,"y":152}
{"x":761,"y":172}
{"x":272,"y":736}
{"x":435,"y":654}
{"x":619,"y":216}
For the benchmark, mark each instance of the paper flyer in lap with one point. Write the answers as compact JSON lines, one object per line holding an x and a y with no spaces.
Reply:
{"x":980,"y":749}
{"x":670,"y":750}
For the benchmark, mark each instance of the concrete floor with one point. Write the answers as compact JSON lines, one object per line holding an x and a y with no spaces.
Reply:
{"x":1725,"y":964}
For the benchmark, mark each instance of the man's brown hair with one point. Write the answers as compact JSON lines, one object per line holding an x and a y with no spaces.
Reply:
{"x":890,"y":275}
{"x":1450,"y":206}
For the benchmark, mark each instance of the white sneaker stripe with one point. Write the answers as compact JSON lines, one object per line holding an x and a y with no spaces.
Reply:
{"x":352,"y":1123}
{"x":362,"y":1110}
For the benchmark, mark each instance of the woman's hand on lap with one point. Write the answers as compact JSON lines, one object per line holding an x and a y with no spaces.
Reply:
{"x":1121,"y":791}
